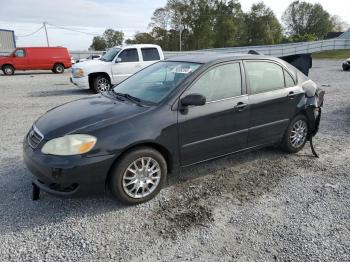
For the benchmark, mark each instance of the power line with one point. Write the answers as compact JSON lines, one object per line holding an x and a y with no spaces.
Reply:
{"x":31,"y":33}
{"x":73,"y":30}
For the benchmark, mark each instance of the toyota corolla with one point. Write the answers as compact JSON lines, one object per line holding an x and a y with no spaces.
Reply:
{"x":172,"y":114}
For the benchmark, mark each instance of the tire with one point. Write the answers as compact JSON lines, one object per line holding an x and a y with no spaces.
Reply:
{"x":100,"y":84}
{"x":58,"y":69}
{"x":130,"y":188}
{"x":8,"y":70}
{"x":296,"y":134}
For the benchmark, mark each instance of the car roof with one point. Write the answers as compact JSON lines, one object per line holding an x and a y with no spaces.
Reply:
{"x":136,"y":45}
{"x":204,"y":58}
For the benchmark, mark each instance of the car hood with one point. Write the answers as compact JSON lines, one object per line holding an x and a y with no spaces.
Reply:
{"x":85,"y":114}
{"x":90,"y":63}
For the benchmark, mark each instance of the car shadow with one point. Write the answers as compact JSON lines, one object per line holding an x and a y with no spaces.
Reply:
{"x":19,"y":212}
{"x":32,"y":73}
{"x":61,"y":92}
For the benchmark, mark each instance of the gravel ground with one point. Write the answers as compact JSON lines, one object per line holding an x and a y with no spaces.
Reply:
{"x":260,"y":206}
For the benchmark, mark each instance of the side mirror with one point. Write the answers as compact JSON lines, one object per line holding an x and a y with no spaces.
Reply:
{"x":193,"y":100}
{"x":118,"y":60}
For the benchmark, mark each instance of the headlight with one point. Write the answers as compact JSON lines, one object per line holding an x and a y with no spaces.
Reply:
{"x":77,"y":72}
{"x":69,"y":145}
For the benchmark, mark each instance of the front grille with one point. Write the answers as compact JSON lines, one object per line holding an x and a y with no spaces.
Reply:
{"x":34,"y":137}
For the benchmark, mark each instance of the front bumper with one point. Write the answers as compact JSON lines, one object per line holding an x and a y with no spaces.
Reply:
{"x":67,"y":175}
{"x":346,"y":66}
{"x":82,"y":82}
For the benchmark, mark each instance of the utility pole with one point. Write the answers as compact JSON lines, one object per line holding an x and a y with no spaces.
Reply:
{"x":47,"y":38}
{"x":180,"y":34}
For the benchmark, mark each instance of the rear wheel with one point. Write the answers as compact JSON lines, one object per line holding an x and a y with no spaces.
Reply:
{"x":138,"y":176}
{"x":296,"y":135}
{"x":58,"y":69}
{"x":8,"y":70}
{"x":100,"y":84}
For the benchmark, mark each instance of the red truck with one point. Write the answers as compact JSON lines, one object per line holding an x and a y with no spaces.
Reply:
{"x":36,"y":58}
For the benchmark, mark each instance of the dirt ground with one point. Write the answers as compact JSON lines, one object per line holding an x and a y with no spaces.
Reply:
{"x":260,"y":206}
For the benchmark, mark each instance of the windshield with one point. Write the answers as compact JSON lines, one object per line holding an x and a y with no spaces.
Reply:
{"x":110,"y":54}
{"x":155,"y":82}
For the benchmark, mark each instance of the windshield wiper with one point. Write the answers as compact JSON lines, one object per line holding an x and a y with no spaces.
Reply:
{"x":128,"y":96}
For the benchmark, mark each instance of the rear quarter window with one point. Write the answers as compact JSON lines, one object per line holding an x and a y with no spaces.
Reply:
{"x":150,"y":54}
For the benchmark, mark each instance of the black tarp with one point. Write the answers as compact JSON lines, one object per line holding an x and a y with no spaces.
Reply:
{"x":303,"y":62}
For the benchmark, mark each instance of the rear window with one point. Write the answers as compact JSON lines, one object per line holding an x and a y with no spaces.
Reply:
{"x":150,"y":54}
{"x":264,"y":76}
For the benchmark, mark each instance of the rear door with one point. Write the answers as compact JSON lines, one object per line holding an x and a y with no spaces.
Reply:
{"x":126,"y":64}
{"x":272,"y":100}
{"x":20,"y":59}
{"x":221,"y":125}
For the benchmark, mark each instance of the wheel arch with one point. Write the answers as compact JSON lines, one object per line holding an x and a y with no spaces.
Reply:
{"x":91,"y":77}
{"x":7,"y":64}
{"x":161,"y":149}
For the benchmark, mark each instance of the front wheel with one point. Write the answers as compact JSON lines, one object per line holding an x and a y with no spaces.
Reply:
{"x":138,"y":176}
{"x":101,"y":84}
{"x":296,"y":135}
{"x":8,"y":70}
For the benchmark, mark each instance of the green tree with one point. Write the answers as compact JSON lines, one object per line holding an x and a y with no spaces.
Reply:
{"x":262,"y":26}
{"x":98,"y":43}
{"x":303,"y":18}
{"x":141,"y":38}
{"x":228,"y":23}
{"x":113,"y":37}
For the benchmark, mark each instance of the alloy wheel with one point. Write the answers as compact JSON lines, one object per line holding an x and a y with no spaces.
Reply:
{"x":141,"y":177}
{"x":298,"y":133}
{"x":103,"y":85}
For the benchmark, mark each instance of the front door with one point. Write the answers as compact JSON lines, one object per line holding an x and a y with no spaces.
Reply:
{"x":20,"y":60}
{"x":126,"y":64}
{"x":221,"y":125}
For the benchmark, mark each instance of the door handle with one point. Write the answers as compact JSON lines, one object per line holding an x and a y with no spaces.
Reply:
{"x":240,"y":106}
{"x":291,"y":95}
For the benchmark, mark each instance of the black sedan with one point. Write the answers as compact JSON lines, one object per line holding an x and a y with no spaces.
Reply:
{"x":172,"y":114}
{"x":346,"y":65}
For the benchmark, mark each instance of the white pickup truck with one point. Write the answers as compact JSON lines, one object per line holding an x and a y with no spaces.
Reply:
{"x":113,"y":67}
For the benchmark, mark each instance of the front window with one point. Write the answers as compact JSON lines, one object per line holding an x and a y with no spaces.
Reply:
{"x":19,"y":53}
{"x":110,"y":54}
{"x":220,"y":82}
{"x":157,"y":81}
{"x":129,"y":55}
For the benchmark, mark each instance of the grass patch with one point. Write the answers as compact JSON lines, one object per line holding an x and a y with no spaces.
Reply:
{"x":335,"y":54}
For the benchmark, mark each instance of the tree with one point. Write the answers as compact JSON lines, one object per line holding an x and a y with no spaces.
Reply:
{"x":229,"y":20}
{"x":98,"y":43}
{"x":339,"y":25}
{"x":109,"y":39}
{"x":141,"y":38}
{"x":303,"y":18}
{"x":113,"y":37}
{"x":262,"y":26}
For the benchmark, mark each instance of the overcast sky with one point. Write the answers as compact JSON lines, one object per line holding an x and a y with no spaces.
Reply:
{"x":94,"y":16}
